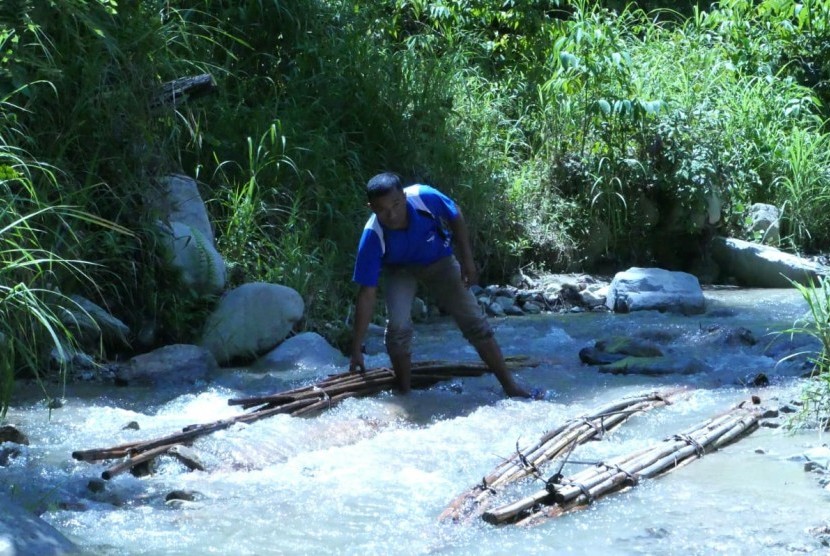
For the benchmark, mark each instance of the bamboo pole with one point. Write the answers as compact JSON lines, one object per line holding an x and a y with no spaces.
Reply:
{"x":296,"y":402}
{"x":552,"y":445}
{"x":624,"y":472}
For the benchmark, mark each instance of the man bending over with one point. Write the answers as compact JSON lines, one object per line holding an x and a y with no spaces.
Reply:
{"x":407,"y":239}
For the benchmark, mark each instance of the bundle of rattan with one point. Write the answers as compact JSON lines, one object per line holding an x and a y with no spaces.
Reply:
{"x":561,"y":495}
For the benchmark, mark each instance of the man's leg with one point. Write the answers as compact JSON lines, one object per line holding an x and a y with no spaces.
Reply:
{"x":491,"y":354}
{"x":445,"y":283}
{"x":400,"y":291}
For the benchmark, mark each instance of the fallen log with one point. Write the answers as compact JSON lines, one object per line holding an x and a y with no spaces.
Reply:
{"x":183,"y":89}
{"x":296,"y":402}
{"x":552,"y":445}
{"x":563,"y":495}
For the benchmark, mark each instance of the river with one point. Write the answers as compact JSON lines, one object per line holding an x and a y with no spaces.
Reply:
{"x":372,"y":475}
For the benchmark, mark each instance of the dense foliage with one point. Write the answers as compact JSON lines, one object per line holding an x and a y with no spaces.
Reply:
{"x":574,"y":135}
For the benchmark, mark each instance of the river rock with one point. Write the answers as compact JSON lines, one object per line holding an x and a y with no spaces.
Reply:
{"x":762,"y":266}
{"x":629,"y":346}
{"x":194,"y":256}
{"x":24,"y":534}
{"x":8,"y":433}
{"x":640,"y":289}
{"x":594,"y":356}
{"x":93,"y":325}
{"x":307,"y":349}
{"x":187,"y":456}
{"x":170,"y":365}
{"x":251,"y":320}
{"x":726,"y":335}
{"x":656,"y":366}
{"x":177,"y":199}
{"x":765,"y":223}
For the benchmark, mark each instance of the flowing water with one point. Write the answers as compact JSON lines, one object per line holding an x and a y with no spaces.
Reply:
{"x":372,"y":475}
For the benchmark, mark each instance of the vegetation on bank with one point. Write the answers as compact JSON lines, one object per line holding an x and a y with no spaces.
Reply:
{"x":573,"y":133}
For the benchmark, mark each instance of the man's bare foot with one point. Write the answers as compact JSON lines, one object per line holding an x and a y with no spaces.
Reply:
{"x":516,"y":391}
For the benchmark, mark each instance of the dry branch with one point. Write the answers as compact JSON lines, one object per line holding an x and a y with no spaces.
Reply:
{"x":295,"y":402}
{"x":579,"y":490}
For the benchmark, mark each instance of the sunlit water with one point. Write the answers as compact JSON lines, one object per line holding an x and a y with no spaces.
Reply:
{"x":372,"y":475}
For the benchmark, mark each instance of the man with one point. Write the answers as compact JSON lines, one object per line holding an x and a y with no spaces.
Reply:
{"x":406,"y":239}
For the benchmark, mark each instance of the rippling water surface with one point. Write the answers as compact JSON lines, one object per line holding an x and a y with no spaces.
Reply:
{"x":372,"y":475}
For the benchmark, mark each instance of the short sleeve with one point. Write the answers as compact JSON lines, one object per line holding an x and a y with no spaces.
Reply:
{"x":368,"y":261}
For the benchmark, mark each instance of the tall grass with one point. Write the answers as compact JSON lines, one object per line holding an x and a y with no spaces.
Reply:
{"x":816,"y":394}
{"x":33,"y":333}
{"x":558,"y":126}
{"x":804,"y":188}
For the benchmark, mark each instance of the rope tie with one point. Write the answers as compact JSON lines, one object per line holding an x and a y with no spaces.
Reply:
{"x":324,"y":395}
{"x":600,"y":430}
{"x":585,"y":492}
{"x":629,"y":477}
{"x":700,"y":451}
{"x":526,"y":463}
{"x":552,"y":482}
{"x":485,"y":487}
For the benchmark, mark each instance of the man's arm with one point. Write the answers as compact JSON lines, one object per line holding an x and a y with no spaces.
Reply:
{"x":363,"y":314}
{"x":464,"y":251}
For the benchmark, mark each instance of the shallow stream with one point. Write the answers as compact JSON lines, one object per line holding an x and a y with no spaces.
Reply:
{"x":372,"y":475}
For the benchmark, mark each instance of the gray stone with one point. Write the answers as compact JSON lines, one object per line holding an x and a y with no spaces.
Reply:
{"x":188,"y":250}
{"x":594,"y":295}
{"x":495,"y":309}
{"x":505,"y":302}
{"x":655,"y":366}
{"x":8,"y":433}
{"x":178,"y":199}
{"x":186,"y":495}
{"x":24,"y":534}
{"x":187,"y":456}
{"x":251,"y":320}
{"x":170,"y":365}
{"x":629,"y":346}
{"x":532,"y":308}
{"x":307,"y":349}
{"x":764,"y":223}
{"x":92,"y":324}
{"x":639,"y":289}
{"x":762,"y":266}
{"x":514,"y":311}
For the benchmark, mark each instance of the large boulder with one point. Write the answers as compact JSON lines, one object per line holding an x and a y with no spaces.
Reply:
{"x":762,"y":266}
{"x":177,"y":199}
{"x":639,"y":289}
{"x":194,"y":255}
{"x":307,"y":350}
{"x":24,"y":534}
{"x":93,"y":325}
{"x":251,"y":320}
{"x":765,"y":223}
{"x":170,"y":365}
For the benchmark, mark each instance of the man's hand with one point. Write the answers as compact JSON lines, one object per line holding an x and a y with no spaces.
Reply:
{"x":469,"y":272}
{"x":363,"y":313}
{"x":464,"y":252}
{"x":356,"y":364}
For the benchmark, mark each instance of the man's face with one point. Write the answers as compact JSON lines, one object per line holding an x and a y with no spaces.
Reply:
{"x":391,"y":209}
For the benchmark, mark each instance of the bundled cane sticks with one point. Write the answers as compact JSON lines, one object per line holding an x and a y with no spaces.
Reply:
{"x":552,"y":445}
{"x":295,"y":402}
{"x":562,"y":495}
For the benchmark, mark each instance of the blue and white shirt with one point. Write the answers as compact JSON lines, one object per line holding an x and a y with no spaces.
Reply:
{"x":424,"y":241}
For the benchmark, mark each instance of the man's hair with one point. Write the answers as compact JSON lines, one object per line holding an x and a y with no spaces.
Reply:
{"x":382,"y":184}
